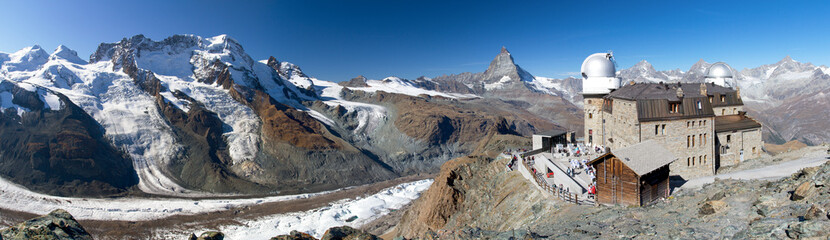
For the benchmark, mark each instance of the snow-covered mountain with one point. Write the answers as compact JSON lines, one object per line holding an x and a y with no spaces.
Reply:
{"x":197,"y":116}
{"x":643,"y":71}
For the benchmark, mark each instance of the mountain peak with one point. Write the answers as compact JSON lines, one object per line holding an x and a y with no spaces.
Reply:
{"x":63,"y":52}
{"x":786,"y":59}
{"x":502,"y":66}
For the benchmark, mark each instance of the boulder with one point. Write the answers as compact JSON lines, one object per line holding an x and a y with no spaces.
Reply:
{"x":347,"y":233}
{"x":816,"y":213}
{"x":57,"y":225}
{"x":809,"y":229}
{"x":294,"y":235}
{"x":211,"y":236}
{"x":712,"y":207}
{"x":804,"y":190}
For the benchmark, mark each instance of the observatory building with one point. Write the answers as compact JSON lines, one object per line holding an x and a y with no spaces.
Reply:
{"x":701,"y":123}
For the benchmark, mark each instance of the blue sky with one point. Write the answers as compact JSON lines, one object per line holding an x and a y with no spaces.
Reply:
{"x":338,"y":40}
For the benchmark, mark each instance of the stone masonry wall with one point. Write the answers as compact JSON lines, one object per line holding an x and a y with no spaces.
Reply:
{"x":593,"y":120}
{"x":677,"y":138}
{"x":728,"y":110}
{"x":740,"y":140}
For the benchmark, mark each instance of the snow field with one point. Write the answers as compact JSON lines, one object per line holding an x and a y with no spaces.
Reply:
{"x":350,"y":212}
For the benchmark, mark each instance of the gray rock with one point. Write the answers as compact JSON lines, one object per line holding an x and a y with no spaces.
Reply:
{"x":57,"y":225}
{"x":804,"y":190}
{"x":809,"y":229}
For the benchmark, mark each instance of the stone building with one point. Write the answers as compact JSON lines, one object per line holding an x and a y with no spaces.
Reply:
{"x":682,"y":117}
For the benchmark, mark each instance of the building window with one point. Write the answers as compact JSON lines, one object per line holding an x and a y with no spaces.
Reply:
{"x":700,"y":139}
{"x":657,"y":129}
{"x":699,"y":105}
{"x":589,"y":101}
{"x":688,"y":124}
{"x":710,"y":99}
{"x":693,"y":140}
{"x":674,"y":107}
{"x":688,"y":162}
{"x":693,"y":161}
{"x":722,"y":98}
{"x":704,"y":159}
{"x":590,"y":115}
{"x":700,"y":160}
{"x":704,"y":122}
{"x":664,"y":129}
{"x":688,"y":142}
{"x":705,"y":138}
{"x":723,"y":112}
{"x":753,"y":150}
{"x":734,"y":111}
{"x":728,"y":138}
{"x":693,"y":123}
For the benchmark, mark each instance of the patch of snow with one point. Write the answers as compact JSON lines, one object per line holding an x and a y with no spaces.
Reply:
{"x":320,"y":117}
{"x":6,"y":103}
{"x":18,"y":198}
{"x":369,"y":116}
{"x":497,"y":85}
{"x":51,"y":100}
{"x":350,"y":212}
{"x":401,"y":86}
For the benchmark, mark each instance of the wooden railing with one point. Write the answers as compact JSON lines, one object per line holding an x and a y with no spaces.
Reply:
{"x":556,"y":191}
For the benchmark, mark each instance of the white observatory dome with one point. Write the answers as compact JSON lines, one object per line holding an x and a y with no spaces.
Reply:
{"x":720,"y":74}
{"x":599,"y":65}
{"x":599,"y":75}
{"x":719,"y":70}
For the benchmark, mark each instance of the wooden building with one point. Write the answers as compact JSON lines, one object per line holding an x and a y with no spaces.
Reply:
{"x":636,"y":175}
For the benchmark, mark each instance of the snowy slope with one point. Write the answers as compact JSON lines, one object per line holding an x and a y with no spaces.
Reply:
{"x":406,"y":87}
{"x":316,"y":221}
{"x":129,"y":114}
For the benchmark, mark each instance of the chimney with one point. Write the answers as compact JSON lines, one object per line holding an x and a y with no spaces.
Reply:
{"x":679,"y":92}
{"x":703,"y":90}
{"x":738,"y":91}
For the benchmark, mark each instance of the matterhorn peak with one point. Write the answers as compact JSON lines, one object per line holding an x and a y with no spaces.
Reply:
{"x":503,"y":66}
{"x":63,"y":52}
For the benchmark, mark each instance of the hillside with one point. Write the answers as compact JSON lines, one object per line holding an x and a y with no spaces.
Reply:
{"x":474,"y":197}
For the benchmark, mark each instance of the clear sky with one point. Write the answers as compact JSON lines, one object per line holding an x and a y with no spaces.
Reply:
{"x":338,"y":40}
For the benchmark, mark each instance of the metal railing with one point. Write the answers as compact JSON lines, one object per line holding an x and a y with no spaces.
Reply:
{"x":556,"y":191}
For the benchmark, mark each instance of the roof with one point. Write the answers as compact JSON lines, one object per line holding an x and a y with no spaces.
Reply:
{"x":552,"y":133}
{"x":654,"y":99}
{"x":734,"y":122}
{"x":644,"y":157}
{"x":667,"y":91}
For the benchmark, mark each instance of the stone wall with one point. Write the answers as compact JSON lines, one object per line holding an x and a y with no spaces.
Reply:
{"x":732,"y":143}
{"x":621,"y":126}
{"x":677,"y":138}
{"x":727,"y":110}
{"x":593,"y":120}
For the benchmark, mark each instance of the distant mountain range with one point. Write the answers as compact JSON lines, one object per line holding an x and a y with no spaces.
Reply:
{"x":194,"y":116}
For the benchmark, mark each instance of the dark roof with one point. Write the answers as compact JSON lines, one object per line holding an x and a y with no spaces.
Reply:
{"x":642,"y":91}
{"x":643,"y":157}
{"x":654,"y":99}
{"x":734,"y":122}
{"x":552,"y":133}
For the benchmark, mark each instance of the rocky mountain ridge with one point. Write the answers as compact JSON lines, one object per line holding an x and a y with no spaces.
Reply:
{"x":197,"y":116}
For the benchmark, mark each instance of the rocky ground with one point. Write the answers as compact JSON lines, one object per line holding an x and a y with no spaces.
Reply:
{"x":795,"y":207}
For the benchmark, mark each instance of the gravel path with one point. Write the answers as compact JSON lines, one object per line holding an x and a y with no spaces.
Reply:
{"x":769,"y":172}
